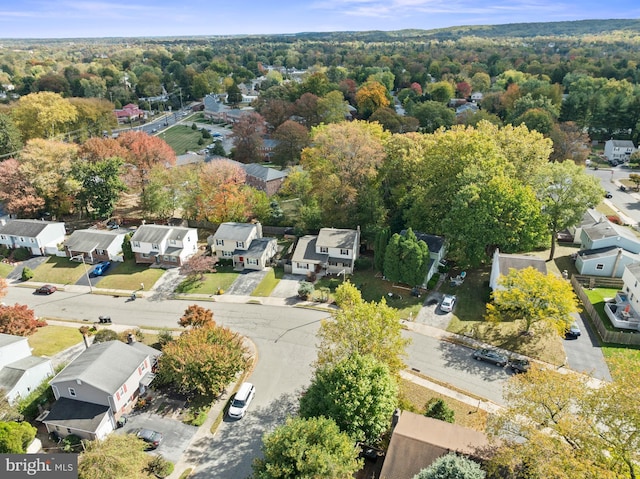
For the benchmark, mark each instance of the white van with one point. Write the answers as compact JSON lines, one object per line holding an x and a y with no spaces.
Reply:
{"x":241,"y":400}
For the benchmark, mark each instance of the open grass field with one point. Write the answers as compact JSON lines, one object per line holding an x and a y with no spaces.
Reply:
{"x":182,"y":139}
{"x":211,"y":283}
{"x":52,"y":339}
{"x":129,"y":275}
{"x":5,"y":269}
{"x":415,"y":397}
{"x":59,"y":270}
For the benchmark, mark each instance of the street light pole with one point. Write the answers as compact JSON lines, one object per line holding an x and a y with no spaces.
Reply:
{"x":86,"y":270}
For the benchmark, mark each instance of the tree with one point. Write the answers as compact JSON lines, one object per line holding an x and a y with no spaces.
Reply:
{"x":202,"y":361}
{"x":17,"y":194}
{"x":10,"y":141}
{"x":358,"y":393}
{"x":406,"y":259}
{"x":292,"y":138}
{"x":101,"y":185}
{"x":364,"y":328}
{"x":196,"y":317}
{"x":197,"y":265}
{"x":43,"y":115}
{"x":15,"y":437}
{"x":307,"y":448}
{"x":18,"y":320}
{"x":118,"y":455}
{"x":371,"y":96}
{"x":452,"y":466}
{"x":247,"y":138}
{"x":531,"y":296}
{"x":436,"y":408}
{"x":566,"y":192}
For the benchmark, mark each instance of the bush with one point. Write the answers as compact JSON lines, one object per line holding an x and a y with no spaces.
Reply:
{"x":27,"y":273}
{"x":305,"y":290}
{"x":160,"y":467}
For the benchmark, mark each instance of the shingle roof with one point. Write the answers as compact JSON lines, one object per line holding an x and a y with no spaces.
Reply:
{"x":106,"y":366}
{"x":74,"y":414}
{"x":87,"y":241}
{"x":25,"y":228}
{"x":337,"y":238}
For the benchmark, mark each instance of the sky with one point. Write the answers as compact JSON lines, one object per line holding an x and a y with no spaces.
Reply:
{"x":160,"y":18}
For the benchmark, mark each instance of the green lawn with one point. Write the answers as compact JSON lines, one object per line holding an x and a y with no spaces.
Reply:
{"x":211,"y":283}
{"x":59,"y":270}
{"x":129,"y":275}
{"x":52,"y":339}
{"x":268,"y":283}
{"x":5,"y":269}
{"x":182,"y":139}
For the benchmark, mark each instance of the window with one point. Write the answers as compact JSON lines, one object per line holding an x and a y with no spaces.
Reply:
{"x":239,"y":244}
{"x":600,"y":266}
{"x":324,"y":249}
{"x":344,"y":252}
{"x":219,"y":242}
{"x":72,"y":392}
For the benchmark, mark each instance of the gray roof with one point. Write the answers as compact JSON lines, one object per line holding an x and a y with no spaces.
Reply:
{"x":433,"y":242}
{"x":337,"y":238}
{"x":305,"y":251}
{"x":89,"y":240}
{"x":6,"y":339}
{"x":607,"y":229}
{"x":258,"y":246}
{"x":10,"y":374}
{"x":73,"y":414}
{"x":154,"y":234}
{"x":25,"y":228}
{"x":106,"y":366}
{"x":234,"y":231}
{"x":264,"y":172}
{"x":507,"y":262}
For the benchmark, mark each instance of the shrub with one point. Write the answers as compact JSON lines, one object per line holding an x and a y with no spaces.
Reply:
{"x":27,"y":273}
{"x":160,"y":467}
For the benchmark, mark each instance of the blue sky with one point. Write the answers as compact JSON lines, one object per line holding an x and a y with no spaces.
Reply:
{"x":120,"y":18}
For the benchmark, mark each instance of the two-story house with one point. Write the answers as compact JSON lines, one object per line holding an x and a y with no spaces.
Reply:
{"x":618,"y":151}
{"x":97,"y":387}
{"x":167,"y":246}
{"x":39,"y":237}
{"x":95,"y":245}
{"x":333,"y":251}
{"x":606,"y":248}
{"x":243,"y":244}
{"x":20,"y":372}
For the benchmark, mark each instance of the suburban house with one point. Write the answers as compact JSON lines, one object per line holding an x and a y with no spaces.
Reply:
{"x":95,"y":245}
{"x":39,"y":237}
{"x":618,"y":151}
{"x":624,"y":309}
{"x":417,"y":441}
{"x":243,"y":244}
{"x":503,"y":263}
{"x":164,"y":245}
{"x":20,"y":372}
{"x":264,"y":178}
{"x":437,"y":251}
{"x":97,"y":387}
{"x":333,"y":251}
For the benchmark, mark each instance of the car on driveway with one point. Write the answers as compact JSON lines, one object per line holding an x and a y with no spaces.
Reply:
{"x":519,"y":365}
{"x":152,"y":438}
{"x":490,"y":356}
{"x":573,"y":332}
{"x":447,"y":303}
{"x":46,"y":289}
{"x":100,"y":268}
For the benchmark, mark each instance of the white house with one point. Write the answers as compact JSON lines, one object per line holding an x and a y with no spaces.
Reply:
{"x":503,"y":263}
{"x":618,"y":151}
{"x":20,"y":372}
{"x":97,"y":387}
{"x":332,"y":250}
{"x":164,"y":245}
{"x":95,"y":245}
{"x":39,"y":237}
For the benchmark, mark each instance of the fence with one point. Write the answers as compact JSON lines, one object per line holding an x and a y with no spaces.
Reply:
{"x":606,"y":336}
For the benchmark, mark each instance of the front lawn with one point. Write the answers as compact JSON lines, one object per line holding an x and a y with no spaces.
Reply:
{"x":211,"y":283}
{"x":52,"y":339}
{"x":59,"y":270}
{"x":130,"y":276}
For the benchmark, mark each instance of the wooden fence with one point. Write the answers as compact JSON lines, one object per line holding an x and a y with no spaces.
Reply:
{"x":606,"y":336}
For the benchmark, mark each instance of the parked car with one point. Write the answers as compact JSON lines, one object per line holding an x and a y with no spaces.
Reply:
{"x":152,"y":438}
{"x":241,"y":400}
{"x":46,"y":289}
{"x":448,"y":302}
{"x":519,"y":365}
{"x":491,"y":356}
{"x":573,"y":332}
{"x":100,"y":268}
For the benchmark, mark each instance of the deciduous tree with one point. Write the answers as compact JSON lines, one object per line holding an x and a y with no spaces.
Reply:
{"x":531,"y":296}
{"x":358,"y":393}
{"x":307,"y":448}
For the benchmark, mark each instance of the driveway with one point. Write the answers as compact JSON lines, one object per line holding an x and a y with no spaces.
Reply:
{"x":246,"y":282}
